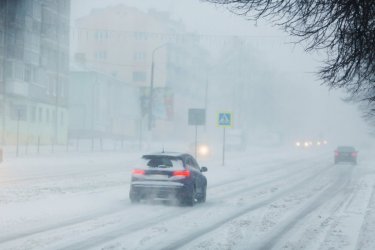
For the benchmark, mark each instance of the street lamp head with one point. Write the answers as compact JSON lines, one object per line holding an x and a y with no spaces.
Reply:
{"x":157,"y":48}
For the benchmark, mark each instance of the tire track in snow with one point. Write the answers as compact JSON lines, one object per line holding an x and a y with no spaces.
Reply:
{"x":348,"y":223}
{"x":84,"y":219}
{"x":71,"y":222}
{"x":366,"y":239}
{"x":309,"y":232}
{"x":333,"y":190}
{"x":109,"y":236}
{"x":199,"y":233}
{"x":140,"y":225}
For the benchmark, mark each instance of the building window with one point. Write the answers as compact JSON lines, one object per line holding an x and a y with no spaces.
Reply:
{"x":140,"y":36}
{"x":54,"y":88}
{"x":51,"y":88}
{"x":100,"y":55}
{"x":101,"y":35}
{"x":33,"y":114}
{"x":18,"y":112}
{"x":139,"y":56}
{"x":54,"y":116}
{"x":35,"y":74}
{"x":9,"y":69}
{"x":27,"y":74}
{"x":20,"y":70}
{"x":40,"y":118}
{"x":139,"y":76}
{"x":47,"y":115}
{"x":1,"y":42}
{"x":62,"y":118}
{"x":63,"y":87}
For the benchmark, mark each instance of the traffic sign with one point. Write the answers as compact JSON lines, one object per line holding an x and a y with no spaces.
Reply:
{"x":197,"y":117}
{"x":224,"y":119}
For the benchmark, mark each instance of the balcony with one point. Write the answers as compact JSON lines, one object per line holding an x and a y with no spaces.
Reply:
{"x":16,"y":87}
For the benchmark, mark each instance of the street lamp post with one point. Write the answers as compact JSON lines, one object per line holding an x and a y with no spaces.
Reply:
{"x":150,"y":110}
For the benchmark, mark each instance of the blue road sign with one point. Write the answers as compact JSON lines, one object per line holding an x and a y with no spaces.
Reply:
{"x":224,"y":119}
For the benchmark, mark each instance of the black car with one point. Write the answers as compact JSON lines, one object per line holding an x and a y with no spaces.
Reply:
{"x":346,"y":154}
{"x":168,"y":176}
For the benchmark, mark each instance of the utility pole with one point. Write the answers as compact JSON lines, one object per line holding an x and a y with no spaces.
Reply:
{"x":206,"y":100}
{"x":150,"y":111}
{"x":150,"y":103}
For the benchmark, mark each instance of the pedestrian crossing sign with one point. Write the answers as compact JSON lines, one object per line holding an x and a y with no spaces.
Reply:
{"x":224,"y":119}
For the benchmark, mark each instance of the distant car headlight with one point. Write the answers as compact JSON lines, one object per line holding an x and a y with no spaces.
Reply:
{"x":318,"y":143}
{"x":306,"y":144}
{"x":298,"y":144}
{"x":203,"y":150}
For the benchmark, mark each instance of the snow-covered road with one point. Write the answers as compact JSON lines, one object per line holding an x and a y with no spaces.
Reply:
{"x":261,"y":199}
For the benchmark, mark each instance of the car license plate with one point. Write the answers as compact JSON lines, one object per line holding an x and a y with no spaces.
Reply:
{"x":158,"y":177}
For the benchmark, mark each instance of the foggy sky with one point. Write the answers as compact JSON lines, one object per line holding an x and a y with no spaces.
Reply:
{"x":324,"y":109}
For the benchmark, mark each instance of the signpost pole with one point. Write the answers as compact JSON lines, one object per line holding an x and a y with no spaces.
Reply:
{"x":223,"y":146}
{"x":196,"y":141}
{"x":18,"y":130}
{"x":224,"y":120}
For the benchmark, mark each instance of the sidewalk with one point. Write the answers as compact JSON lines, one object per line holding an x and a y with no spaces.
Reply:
{"x":73,"y":148}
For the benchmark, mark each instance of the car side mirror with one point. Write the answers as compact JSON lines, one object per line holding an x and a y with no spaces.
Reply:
{"x":204,"y":169}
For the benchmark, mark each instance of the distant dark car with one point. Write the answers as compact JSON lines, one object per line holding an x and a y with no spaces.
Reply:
{"x":346,"y":154}
{"x":168,"y":176}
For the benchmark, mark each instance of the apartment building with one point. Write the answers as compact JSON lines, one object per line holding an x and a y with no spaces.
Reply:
{"x":98,"y":106}
{"x":120,"y":41}
{"x":125,"y":42}
{"x":34,"y":57}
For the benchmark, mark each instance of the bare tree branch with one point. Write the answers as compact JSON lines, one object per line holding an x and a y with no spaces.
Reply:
{"x":344,"y":29}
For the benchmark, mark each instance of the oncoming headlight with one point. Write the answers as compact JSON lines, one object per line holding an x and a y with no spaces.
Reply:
{"x":203,"y":150}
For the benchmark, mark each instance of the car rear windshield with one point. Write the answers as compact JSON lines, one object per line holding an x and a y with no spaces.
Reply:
{"x":345,"y":149}
{"x":162,"y":162}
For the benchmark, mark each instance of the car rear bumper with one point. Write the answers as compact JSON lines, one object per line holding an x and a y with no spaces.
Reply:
{"x":346,"y":159}
{"x":158,"y":190}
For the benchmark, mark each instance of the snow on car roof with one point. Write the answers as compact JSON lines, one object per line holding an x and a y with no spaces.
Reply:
{"x":346,"y":148}
{"x":170,"y":154}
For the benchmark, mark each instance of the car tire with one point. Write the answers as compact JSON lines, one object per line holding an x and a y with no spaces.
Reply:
{"x":203,"y":197}
{"x":134,"y":199}
{"x":190,"y":200}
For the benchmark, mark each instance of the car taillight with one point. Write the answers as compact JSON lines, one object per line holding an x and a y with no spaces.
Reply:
{"x":183,"y":173}
{"x":337,"y":153}
{"x":354,"y":154}
{"x":138,"y":172}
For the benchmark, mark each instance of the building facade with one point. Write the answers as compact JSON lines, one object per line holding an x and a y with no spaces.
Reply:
{"x":101,"y":106}
{"x":125,"y":42}
{"x":34,"y":57}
